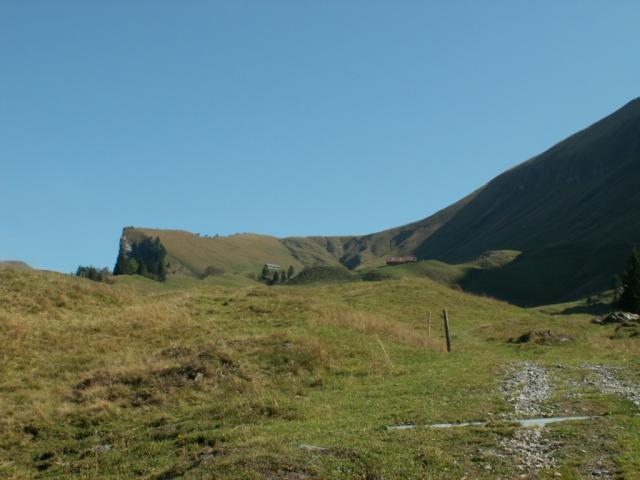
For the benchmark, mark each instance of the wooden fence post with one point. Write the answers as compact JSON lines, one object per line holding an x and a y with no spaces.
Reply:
{"x":429,"y":322}
{"x":446,"y":329}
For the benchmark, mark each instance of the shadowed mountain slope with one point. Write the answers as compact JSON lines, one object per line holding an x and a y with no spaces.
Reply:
{"x":573,"y":211}
{"x":584,"y":189}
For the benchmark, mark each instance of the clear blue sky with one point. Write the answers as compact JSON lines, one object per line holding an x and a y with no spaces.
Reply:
{"x":283,"y":117}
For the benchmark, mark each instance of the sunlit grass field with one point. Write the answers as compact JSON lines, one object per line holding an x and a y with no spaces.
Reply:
{"x":227,"y":378}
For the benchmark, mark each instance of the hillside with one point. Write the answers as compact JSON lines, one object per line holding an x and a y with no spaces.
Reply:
{"x":186,"y":379}
{"x":452,"y":275}
{"x":573,"y":211}
{"x":189,"y":253}
{"x":14,"y":265}
{"x":370,"y":250}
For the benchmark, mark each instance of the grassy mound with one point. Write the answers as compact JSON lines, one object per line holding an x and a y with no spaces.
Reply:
{"x":14,"y":265}
{"x":53,"y":294}
{"x":323,"y":274}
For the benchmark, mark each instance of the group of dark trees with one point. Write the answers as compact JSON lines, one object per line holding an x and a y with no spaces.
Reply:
{"x":93,"y":273}
{"x":147,"y":258}
{"x":629,"y":289}
{"x":276,"y":276}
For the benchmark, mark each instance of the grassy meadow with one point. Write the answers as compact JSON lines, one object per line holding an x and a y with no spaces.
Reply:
{"x":226,"y":378}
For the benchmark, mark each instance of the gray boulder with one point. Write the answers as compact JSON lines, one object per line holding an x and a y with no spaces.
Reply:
{"x":618,"y":317}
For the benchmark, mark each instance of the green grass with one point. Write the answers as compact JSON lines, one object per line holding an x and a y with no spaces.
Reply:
{"x":143,"y":285}
{"x":438,"y":271}
{"x":447,"y":274}
{"x":323,"y":274}
{"x":194,"y":380}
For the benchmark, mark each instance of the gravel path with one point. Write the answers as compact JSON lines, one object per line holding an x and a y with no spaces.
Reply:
{"x":526,"y":388}
{"x":606,"y":380}
{"x":529,"y":450}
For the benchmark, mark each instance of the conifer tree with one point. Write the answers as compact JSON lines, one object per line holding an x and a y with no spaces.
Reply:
{"x":630,"y":296}
{"x":291,"y":272}
{"x":119,"y":269}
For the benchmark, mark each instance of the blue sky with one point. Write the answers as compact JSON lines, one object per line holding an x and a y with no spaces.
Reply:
{"x":283,"y":117}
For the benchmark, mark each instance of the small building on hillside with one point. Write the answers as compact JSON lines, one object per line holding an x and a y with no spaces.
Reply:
{"x":272,"y":267}
{"x":401,"y":260}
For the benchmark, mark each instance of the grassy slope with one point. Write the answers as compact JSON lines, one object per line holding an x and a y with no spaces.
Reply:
{"x":323,"y":274}
{"x":189,"y":254}
{"x":242,"y":253}
{"x":316,"y":250}
{"x":246,"y":253}
{"x":141,"y":379}
{"x":370,"y":250}
{"x":142,"y":285}
{"x":437,"y":271}
{"x":445,"y":273}
{"x":14,"y":265}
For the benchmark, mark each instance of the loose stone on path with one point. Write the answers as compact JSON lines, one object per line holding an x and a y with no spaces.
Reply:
{"x":527,"y":388}
{"x":606,"y":380}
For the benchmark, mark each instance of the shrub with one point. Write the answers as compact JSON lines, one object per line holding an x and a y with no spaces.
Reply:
{"x":630,"y":296}
{"x":92,"y":273}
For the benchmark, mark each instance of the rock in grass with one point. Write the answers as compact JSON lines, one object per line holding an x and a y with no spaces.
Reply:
{"x":541,"y":337}
{"x":617,"y":317}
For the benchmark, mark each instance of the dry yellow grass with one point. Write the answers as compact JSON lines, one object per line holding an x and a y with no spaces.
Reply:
{"x":376,"y":326}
